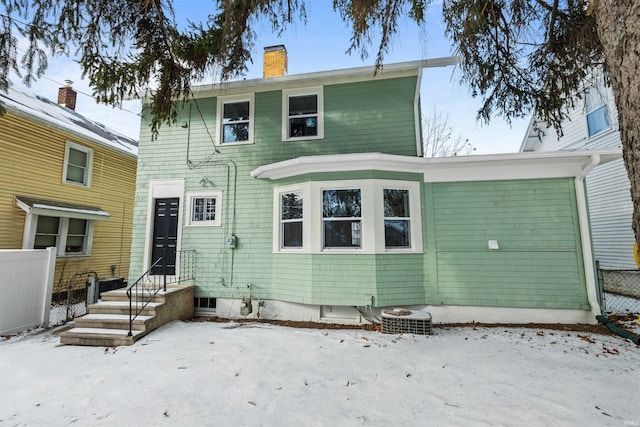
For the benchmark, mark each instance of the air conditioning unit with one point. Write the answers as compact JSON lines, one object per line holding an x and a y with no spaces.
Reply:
{"x":403,"y":321}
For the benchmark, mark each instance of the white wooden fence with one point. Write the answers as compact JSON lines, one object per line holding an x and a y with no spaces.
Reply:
{"x":26,"y":283}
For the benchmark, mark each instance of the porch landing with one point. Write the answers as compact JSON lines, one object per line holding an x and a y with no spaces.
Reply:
{"x":107,"y":323}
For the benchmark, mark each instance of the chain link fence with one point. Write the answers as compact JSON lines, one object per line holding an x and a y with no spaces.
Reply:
{"x":620,"y":290}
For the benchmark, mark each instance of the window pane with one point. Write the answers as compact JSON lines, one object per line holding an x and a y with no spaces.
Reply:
{"x":292,"y":234}
{"x":198,"y":209}
{"x":203,"y":209}
{"x":235,"y":111}
{"x":75,"y":244}
{"x":396,"y":203}
{"x":210,"y":209}
{"x":598,"y":120}
{"x":46,"y":232}
{"x":77,"y":157}
{"x":291,"y":205}
{"x":396,"y":234}
{"x":235,"y":132}
{"x":47,"y":225}
{"x":44,"y":241}
{"x":301,"y":105}
{"x":342,"y":234}
{"x":75,"y":235}
{"x":307,"y":126}
{"x":341,"y":203}
{"x":75,"y":173}
{"x":77,"y":226}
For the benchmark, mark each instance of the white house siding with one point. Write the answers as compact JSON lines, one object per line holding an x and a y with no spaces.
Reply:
{"x":610,"y":205}
{"x":610,"y":209}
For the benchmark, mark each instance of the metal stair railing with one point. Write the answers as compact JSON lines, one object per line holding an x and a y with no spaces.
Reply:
{"x":144,"y":290}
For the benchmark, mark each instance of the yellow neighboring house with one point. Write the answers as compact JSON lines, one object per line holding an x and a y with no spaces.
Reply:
{"x":65,"y":181}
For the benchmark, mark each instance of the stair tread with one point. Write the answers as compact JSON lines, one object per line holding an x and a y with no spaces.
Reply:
{"x":113,"y":317}
{"x":123,"y":291}
{"x":102,"y":331}
{"x":124,"y":304}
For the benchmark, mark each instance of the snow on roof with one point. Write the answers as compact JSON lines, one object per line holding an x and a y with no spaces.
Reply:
{"x":39,"y":108}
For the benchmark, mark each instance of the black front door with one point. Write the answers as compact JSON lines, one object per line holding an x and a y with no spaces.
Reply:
{"x":165,"y":235}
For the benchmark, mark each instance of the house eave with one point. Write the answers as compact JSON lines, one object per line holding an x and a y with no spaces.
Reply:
{"x":447,"y":169}
{"x":408,"y":68}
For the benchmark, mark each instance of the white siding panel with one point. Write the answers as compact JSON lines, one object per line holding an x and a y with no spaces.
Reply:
{"x":610,"y":205}
{"x":610,"y":209}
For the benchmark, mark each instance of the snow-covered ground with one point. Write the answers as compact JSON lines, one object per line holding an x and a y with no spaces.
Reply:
{"x":250,"y":374}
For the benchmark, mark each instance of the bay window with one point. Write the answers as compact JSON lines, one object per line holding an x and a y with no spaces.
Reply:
{"x":397,"y":218}
{"x":291,"y":221}
{"x":360,"y":216}
{"x":341,"y":218}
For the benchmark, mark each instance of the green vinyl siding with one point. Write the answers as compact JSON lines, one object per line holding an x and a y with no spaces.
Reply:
{"x":539,"y":263}
{"x":400,"y":279}
{"x":185,"y":150}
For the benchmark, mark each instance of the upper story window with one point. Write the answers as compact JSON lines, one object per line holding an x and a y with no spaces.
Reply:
{"x":204,"y":208}
{"x":235,"y":120}
{"x":597,"y":112}
{"x":77,"y":164}
{"x":303,"y":114}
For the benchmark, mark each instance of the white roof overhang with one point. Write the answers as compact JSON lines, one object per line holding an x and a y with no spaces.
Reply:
{"x":60,"y":209}
{"x":554,"y":164}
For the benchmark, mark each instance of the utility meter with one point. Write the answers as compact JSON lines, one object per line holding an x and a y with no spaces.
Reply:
{"x":231,"y":242}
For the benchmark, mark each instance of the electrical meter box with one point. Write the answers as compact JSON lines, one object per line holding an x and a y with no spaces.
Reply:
{"x":231,"y":242}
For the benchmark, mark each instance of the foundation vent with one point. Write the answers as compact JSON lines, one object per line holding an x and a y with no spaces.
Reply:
{"x":403,"y":321}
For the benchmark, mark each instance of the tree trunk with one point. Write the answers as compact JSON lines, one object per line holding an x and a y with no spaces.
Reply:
{"x":618,"y":26}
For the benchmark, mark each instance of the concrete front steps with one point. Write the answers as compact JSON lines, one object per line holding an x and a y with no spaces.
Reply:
{"x":107,"y":323}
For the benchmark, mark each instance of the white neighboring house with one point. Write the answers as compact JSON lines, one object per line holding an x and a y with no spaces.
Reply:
{"x":593,"y":124}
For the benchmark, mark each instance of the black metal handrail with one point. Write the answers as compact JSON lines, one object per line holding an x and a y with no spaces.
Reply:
{"x":187,"y":260}
{"x":145,"y":290}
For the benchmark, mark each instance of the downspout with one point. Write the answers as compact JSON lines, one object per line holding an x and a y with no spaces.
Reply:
{"x":417,"y":116}
{"x":585,"y":235}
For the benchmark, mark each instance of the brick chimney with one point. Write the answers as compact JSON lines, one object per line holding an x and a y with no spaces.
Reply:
{"x":67,"y":96}
{"x":275,"y":62}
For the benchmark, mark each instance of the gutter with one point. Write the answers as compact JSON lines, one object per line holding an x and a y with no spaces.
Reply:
{"x":585,"y":234}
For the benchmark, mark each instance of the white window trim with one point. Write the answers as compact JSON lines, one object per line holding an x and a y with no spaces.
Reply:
{"x":305,"y":189}
{"x":31,"y":226}
{"x":163,"y":189}
{"x":88,"y":170}
{"x":219,"y":116}
{"x":372,"y":218}
{"x":316,"y":90}
{"x":218,"y":212}
{"x":603,"y":131}
{"x":597,"y":90}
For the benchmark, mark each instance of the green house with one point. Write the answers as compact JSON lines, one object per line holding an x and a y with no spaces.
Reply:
{"x":305,"y":197}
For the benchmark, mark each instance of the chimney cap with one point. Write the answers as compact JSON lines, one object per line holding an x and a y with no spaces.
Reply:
{"x":68,"y":83}
{"x":275,"y":47}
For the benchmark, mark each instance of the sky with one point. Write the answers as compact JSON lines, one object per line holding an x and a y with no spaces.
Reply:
{"x":257,"y":374}
{"x":321,"y":45}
